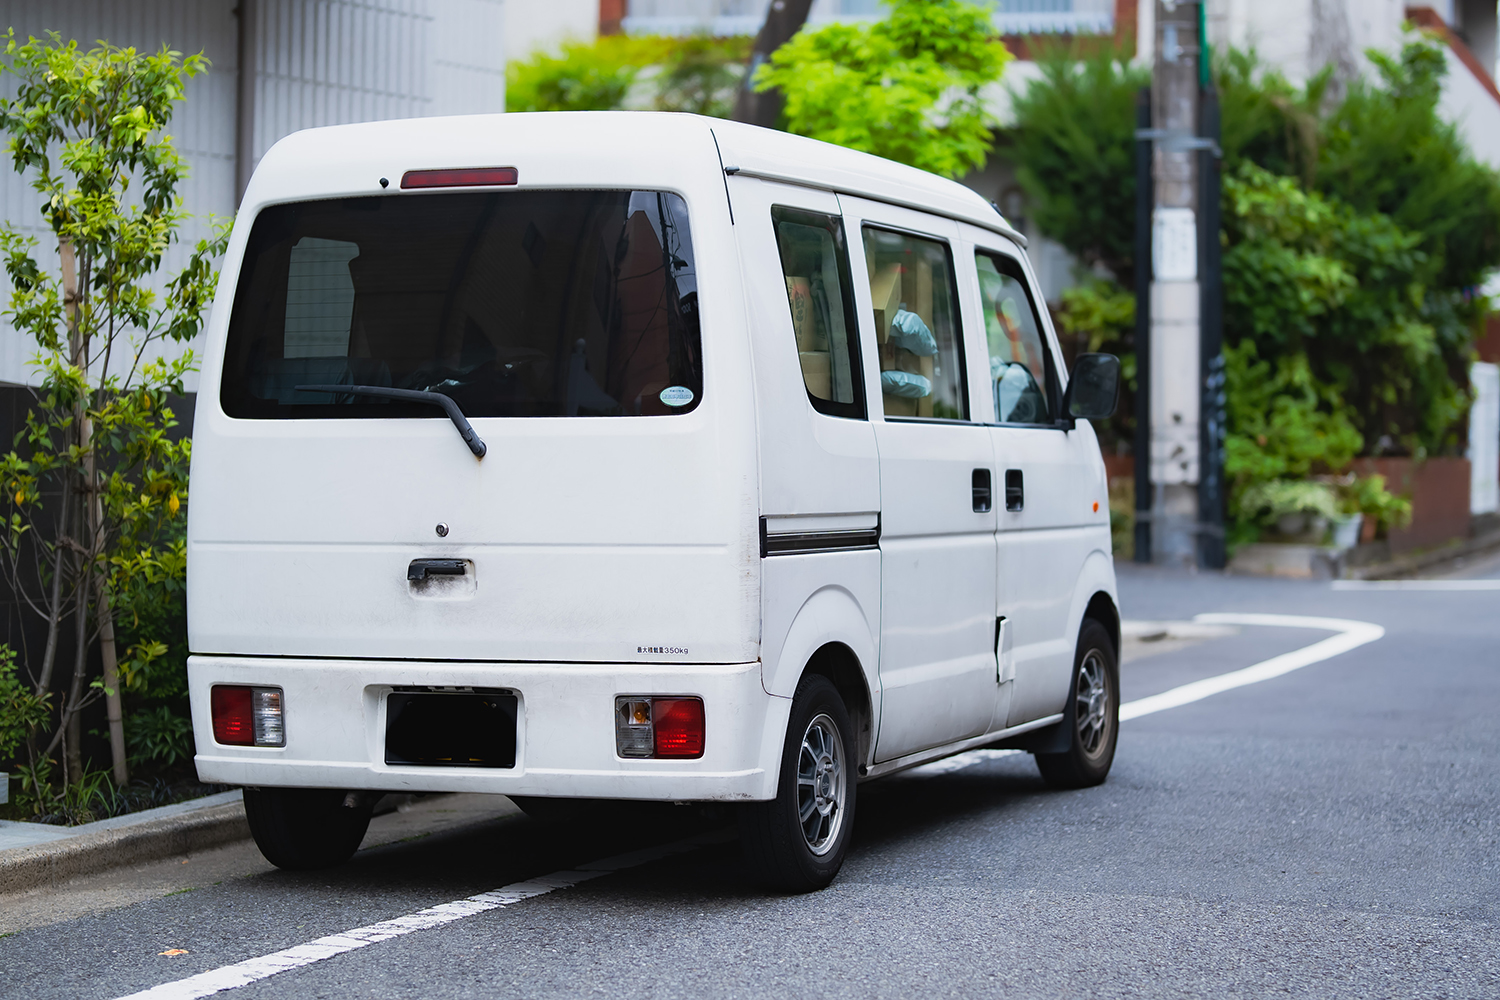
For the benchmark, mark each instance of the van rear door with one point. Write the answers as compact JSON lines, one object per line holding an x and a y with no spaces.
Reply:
{"x":603,"y":521}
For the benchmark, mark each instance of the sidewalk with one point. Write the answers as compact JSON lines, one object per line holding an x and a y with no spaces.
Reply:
{"x":35,"y":854}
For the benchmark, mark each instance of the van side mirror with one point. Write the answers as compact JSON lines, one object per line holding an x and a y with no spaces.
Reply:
{"x":1094,"y":388}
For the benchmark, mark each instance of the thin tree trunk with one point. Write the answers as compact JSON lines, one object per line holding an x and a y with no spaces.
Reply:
{"x":112,"y":686}
{"x":784,"y":19}
{"x":72,"y":716}
{"x":54,"y":605}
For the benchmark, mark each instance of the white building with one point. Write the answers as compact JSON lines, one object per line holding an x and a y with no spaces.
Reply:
{"x":278,"y":66}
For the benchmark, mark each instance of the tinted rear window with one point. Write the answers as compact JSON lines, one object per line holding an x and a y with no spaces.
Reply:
{"x":515,"y":303}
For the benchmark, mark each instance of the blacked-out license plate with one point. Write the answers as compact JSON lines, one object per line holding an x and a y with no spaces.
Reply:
{"x":451,"y":728}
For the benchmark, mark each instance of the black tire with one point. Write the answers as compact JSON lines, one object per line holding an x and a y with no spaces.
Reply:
{"x":1092,"y":716}
{"x":304,"y":829}
{"x":819,"y":774}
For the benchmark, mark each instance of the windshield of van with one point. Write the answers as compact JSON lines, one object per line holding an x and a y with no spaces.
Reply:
{"x":514,"y":303}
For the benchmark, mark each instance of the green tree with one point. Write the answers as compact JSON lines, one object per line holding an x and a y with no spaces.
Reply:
{"x":697,"y":74}
{"x":583,"y":76}
{"x":1073,"y":143}
{"x":97,"y":481}
{"x":908,"y":87}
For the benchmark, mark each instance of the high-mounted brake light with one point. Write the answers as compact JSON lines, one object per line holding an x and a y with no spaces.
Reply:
{"x":463,"y":177}
{"x":659,"y":727}
{"x":247,"y":716}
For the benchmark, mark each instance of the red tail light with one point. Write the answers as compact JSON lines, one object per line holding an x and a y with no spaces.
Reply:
{"x":678,"y":723}
{"x":469,"y":177}
{"x":233,"y":724}
{"x":247,"y":716}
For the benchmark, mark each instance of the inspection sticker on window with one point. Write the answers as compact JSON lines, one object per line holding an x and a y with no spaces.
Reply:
{"x":677,"y":395}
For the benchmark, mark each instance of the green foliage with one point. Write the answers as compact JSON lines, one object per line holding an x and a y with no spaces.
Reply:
{"x":1266,"y":120}
{"x":581,"y":77}
{"x":1278,"y":497}
{"x":160,"y":737}
{"x":1385,"y":149}
{"x":22,"y":710}
{"x":1074,"y":148}
{"x":1100,"y":313}
{"x":907,"y":87}
{"x":697,"y":74}
{"x":95,"y":487}
{"x":1283,"y":422}
{"x":1306,"y":275}
{"x":700,"y":75}
{"x":1367,"y":495}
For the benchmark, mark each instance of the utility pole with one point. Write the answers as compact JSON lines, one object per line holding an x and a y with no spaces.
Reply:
{"x":1174,"y":369}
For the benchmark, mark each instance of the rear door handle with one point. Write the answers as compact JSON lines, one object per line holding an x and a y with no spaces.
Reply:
{"x":1015,"y":490}
{"x":421,"y":569}
{"x":983,"y":498}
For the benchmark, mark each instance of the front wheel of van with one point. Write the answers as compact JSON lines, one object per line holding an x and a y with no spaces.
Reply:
{"x":1092,"y":715}
{"x":796,"y":842}
{"x":304,"y":829}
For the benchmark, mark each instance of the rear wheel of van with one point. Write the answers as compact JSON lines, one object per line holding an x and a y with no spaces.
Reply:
{"x":797,"y":841}
{"x":1092,"y":714}
{"x":302,"y":829}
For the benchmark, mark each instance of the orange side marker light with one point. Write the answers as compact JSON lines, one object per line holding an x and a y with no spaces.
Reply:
{"x":1096,"y":506}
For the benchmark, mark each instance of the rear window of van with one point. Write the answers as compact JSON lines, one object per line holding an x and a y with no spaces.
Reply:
{"x":515,"y":304}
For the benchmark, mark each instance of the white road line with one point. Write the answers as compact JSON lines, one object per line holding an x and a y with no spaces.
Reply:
{"x":1350,"y":635}
{"x":1448,"y":585}
{"x":230,"y":977}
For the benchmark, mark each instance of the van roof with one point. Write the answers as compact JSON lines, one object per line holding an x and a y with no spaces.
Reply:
{"x":744,"y":149}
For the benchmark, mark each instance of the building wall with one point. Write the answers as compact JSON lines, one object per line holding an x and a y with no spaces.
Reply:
{"x":314,"y":62}
{"x":203,"y":127}
{"x":530,"y":26}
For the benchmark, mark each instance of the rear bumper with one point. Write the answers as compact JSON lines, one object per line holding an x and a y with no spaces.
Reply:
{"x":335,"y":728}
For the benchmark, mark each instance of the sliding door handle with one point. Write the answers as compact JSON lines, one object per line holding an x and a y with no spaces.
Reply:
{"x":982,"y":494}
{"x":1015,"y":490}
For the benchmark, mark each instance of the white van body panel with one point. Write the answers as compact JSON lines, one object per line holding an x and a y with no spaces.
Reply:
{"x":613,"y":556}
{"x":587,"y":538}
{"x":1044,"y":546}
{"x":335,"y":725}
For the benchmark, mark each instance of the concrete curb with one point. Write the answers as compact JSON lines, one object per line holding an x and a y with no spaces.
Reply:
{"x":1417,"y":561}
{"x":23,"y":868}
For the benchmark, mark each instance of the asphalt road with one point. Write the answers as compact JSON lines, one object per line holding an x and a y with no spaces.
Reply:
{"x":1330,"y":832}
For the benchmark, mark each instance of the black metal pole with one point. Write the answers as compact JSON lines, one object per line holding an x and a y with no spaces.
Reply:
{"x":1144,"y":198}
{"x":1211,"y":498}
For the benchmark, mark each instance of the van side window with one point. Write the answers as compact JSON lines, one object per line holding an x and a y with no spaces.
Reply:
{"x":916,"y":325}
{"x":815,"y":263}
{"x":1020,"y":367}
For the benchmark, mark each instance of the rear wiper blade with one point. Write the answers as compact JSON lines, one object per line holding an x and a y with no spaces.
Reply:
{"x":412,"y":396}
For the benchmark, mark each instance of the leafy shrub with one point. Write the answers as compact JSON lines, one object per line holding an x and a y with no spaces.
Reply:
{"x":159,"y":737}
{"x":697,"y":74}
{"x":22,"y":711}
{"x":583,"y":76}
{"x":1073,"y":143}
{"x":907,"y":87}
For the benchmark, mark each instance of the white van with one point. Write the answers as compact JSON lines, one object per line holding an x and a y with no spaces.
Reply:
{"x":634,"y":456}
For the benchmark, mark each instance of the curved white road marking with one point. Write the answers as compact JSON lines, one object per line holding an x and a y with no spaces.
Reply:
{"x":1350,"y":635}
